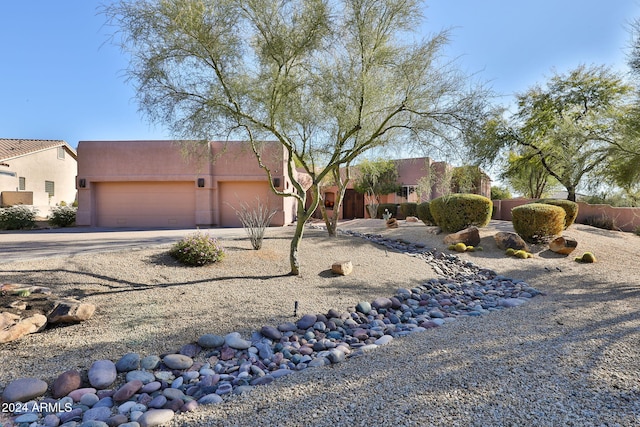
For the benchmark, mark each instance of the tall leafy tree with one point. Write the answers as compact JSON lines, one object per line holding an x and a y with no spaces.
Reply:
{"x":526,"y":175}
{"x":327,"y":79}
{"x":570,"y":125}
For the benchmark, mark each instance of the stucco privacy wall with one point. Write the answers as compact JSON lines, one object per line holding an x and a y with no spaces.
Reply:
{"x":626,"y":219}
{"x":169,"y":184}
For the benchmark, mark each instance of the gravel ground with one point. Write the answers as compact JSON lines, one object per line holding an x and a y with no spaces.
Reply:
{"x":567,"y":358}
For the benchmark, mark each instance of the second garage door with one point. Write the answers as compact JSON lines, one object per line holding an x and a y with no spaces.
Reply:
{"x":145,"y":204}
{"x":232,"y":194}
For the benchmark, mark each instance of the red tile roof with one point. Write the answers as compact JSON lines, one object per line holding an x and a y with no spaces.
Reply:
{"x":10,"y":148}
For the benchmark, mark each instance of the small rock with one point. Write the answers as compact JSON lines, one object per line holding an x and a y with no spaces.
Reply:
{"x":66,"y":383}
{"x":343,"y":268}
{"x":234,"y":340}
{"x":13,"y":327}
{"x":469,"y":236}
{"x":385,"y":339}
{"x":381,"y":302}
{"x":306,"y":321}
{"x":155,"y":417}
{"x":190,"y":350}
{"x":505,"y":240}
{"x":127,"y":390}
{"x":89,"y":399}
{"x":143,"y":376}
{"x":102,"y":373}
{"x":150,"y":362}
{"x":128,"y":362}
{"x":70,"y":310}
{"x":210,"y":399}
{"x":210,"y":341}
{"x":177,"y":361}
{"x":363,"y":307}
{"x":77,"y":394}
{"x":271,"y":332}
{"x":98,"y":414}
{"x":24,"y":389}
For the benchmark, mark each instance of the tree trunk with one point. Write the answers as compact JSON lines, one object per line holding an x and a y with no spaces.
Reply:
{"x":303,"y":215}
{"x":571,"y":194}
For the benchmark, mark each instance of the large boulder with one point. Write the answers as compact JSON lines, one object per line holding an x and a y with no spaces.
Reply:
{"x":70,"y":310}
{"x":469,"y":236}
{"x":563,"y":245}
{"x":343,"y":268}
{"x":13,"y":326}
{"x":505,"y":240}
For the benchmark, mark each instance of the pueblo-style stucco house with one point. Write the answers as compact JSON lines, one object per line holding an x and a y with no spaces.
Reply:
{"x":37,"y":173}
{"x":162,"y":184}
{"x":410,"y":172}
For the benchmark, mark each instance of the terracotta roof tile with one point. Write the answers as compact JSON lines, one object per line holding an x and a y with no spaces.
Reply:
{"x":10,"y":148}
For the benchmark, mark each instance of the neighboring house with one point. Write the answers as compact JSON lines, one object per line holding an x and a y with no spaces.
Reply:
{"x":410,"y":173}
{"x":38,"y":173}
{"x":163,"y":184}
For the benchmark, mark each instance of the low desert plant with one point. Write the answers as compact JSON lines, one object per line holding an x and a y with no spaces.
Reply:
{"x":62,"y":216}
{"x":17,"y":217}
{"x":587,"y":258}
{"x":538,"y":222}
{"x":424,"y":214}
{"x":456,"y":212}
{"x":197,"y":249}
{"x":601,"y":221}
{"x":637,"y":231}
{"x":255,"y":220}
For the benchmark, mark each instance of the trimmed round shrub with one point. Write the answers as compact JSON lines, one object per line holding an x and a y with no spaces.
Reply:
{"x":537,"y":222}
{"x":391,"y":207}
{"x":17,"y":218}
{"x":570,"y":209}
{"x":456,"y":212}
{"x":197,"y":249}
{"x":408,"y":209}
{"x":63,"y":216}
{"x":424,"y":214}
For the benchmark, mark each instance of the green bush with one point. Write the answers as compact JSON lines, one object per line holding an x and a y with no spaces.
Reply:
{"x":637,"y":231}
{"x":391,"y":207}
{"x":456,"y":212}
{"x":424,"y":213}
{"x":537,"y":222}
{"x":62,"y":216}
{"x":570,"y":209}
{"x":197,"y":249}
{"x":17,"y":218}
{"x":408,"y":209}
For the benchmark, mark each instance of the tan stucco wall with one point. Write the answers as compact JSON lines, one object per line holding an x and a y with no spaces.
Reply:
{"x":167,"y":161}
{"x":39,"y":167}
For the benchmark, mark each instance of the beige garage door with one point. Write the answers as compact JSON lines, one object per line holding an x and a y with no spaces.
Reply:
{"x":145,"y":204}
{"x":232,"y":194}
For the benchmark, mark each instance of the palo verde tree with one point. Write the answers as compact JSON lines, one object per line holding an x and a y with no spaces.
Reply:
{"x":570,"y":125}
{"x":376,"y":178}
{"x":327,"y":79}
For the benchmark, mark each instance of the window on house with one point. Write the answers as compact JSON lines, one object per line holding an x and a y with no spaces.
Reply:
{"x":61,"y":152}
{"x":49,"y":187}
{"x":22,"y":183}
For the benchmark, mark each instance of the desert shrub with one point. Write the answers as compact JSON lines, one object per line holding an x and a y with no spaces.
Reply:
{"x":537,"y":222}
{"x":197,"y":249}
{"x":62,"y":216}
{"x":391,"y":207}
{"x":637,"y":231}
{"x":17,"y":218}
{"x":570,"y":209}
{"x":408,"y":209}
{"x":255,"y":220}
{"x":601,"y":221}
{"x":456,"y":212}
{"x":424,"y":214}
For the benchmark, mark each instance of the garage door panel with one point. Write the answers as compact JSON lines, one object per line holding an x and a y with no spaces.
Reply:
{"x":232,"y":194}
{"x":145,"y":204}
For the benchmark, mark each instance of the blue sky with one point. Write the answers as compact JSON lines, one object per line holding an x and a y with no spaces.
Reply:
{"x":61,"y":79}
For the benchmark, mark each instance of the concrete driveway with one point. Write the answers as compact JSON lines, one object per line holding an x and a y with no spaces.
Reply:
{"x":37,"y":244}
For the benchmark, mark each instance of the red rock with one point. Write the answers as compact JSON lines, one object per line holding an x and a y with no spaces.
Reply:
{"x":66,"y":383}
{"x":127,"y":390}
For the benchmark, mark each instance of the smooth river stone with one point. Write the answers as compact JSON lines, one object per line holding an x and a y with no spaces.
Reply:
{"x":210,"y":341}
{"x":156,"y":417}
{"x":127,"y":390}
{"x":271,"y":332}
{"x":234,"y":340}
{"x":177,"y":361}
{"x":306,"y":321}
{"x":102,"y":374}
{"x":66,"y":383}
{"x":128,"y":362}
{"x":24,"y":389}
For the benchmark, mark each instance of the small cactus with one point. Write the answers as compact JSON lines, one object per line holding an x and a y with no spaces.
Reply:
{"x":470,"y":249}
{"x":587,"y":258}
{"x":460,"y":247}
{"x":452,"y":247}
{"x":510,"y":251}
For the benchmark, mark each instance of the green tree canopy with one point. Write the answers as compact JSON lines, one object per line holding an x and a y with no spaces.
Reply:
{"x":377,"y":177}
{"x":328,"y":80}
{"x":571,"y":125}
